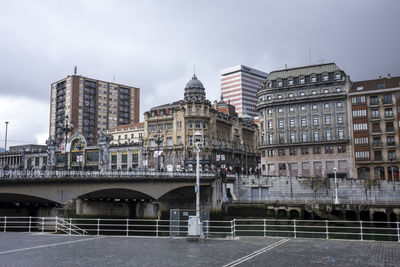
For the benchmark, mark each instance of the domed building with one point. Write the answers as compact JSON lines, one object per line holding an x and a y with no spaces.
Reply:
{"x":169,"y":135}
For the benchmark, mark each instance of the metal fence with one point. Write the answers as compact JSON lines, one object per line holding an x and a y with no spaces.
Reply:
{"x":39,"y":174}
{"x":349,"y":230}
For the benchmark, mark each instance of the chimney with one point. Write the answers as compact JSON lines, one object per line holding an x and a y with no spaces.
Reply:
{"x":389,"y":76}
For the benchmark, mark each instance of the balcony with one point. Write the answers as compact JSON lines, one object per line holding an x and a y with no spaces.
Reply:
{"x":391,"y":144}
{"x":378,"y":158}
{"x":376,"y":131}
{"x":377,"y":144}
{"x":390,"y":129}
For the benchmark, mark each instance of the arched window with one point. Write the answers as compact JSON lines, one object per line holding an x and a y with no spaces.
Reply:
{"x":379,"y":173}
{"x":363,"y":173}
{"x":395,"y":173}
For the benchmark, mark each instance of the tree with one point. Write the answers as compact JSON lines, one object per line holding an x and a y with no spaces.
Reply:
{"x":316,"y":183}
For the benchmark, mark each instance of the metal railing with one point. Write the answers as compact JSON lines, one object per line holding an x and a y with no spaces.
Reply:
{"x":39,"y":174}
{"x":327,"y":229}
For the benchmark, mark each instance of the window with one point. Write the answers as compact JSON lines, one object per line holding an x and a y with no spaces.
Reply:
{"x":281,"y":138}
{"x":303,"y":122}
{"x":327,"y":120}
{"x":362,"y":154}
{"x":291,"y":95}
{"x":316,"y":150}
{"x":269,"y":111}
{"x":290,"y":82}
{"x":389,"y":127}
{"x":292,"y":151}
{"x":313,"y":92}
{"x":302,"y":94}
{"x":329,"y":150}
{"x":338,"y":76}
{"x":280,"y":123}
{"x":313,"y":79}
{"x":390,"y":141}
{"x":301,"y":80}
{"x":325,"y":77}
{"x":190,"y":140}
{"x":205,"y":125}
{"x":391,"y":154}
{"x":190,"y":125}
{"x":341,"y":149}
{"x":328,"y":135}
{"x":280,"y":110}
{"x":271,"y":152}
{"x":387,"y":99}
{"x":291,"y":109}
{"x":378,"y":155}
{"x":339,"y":118}
{"x":197,"y":110}
{"x":359,"y":113}
{"x":281,"y":152}
{"x":304,"y":150}
{"x":360,"y":126}
{"x":190,"y":110}
{"x":269,"y":124}
{"x":326,"y":106}
{"x":282,"y":166}
{"x":341,"y":134}
{"x":304,"y":136}
{"x":338,"y":90}
{"x":314,"y":107}
{"x":169,"y":141}
{"x":179,"y":140}
{"x":303,"y":108}
{"x":374,"y":114}
{"x":358,"y":99}
{"x":198,"y":124}
{"x":292,"y":137}
{"x":316,"y":136}
{"x":315,"y":120}
{"x":279,"y":83}
{"x":270,"y":139}
{"x":279,"y":96}
{"x":339,"y":104}
{"x":374,"y":100}
{"x":326,"y":91}
{"x":269,"y":98}
{"x":388,"y":113}
{"x":291,"y":123}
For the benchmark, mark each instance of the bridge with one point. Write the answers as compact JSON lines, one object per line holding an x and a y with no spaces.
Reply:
{"x":109,"y":193}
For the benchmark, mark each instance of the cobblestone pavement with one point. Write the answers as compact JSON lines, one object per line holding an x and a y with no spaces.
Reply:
{"x":25,"y":249}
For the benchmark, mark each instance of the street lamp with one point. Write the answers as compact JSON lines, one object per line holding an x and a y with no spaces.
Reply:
{"x":66,"y":128}
{"x":5,"y":140}
{"x":336,"y":197}
{"x":158,"y":139}
{"x":195,"y":227}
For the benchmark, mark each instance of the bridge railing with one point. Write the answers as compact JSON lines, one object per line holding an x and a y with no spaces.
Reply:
{"x":40,"y":174}
{"x":326,"y":229}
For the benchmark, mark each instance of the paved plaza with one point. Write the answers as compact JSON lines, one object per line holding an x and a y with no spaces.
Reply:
{"x":33,"y":249}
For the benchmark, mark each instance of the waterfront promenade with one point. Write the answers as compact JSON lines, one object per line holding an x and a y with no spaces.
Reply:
{"x":35,"y":249}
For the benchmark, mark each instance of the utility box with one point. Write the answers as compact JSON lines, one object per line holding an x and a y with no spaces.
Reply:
{"x":194,"y":228}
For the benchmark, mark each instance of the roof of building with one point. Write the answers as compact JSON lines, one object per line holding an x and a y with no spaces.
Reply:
{"x":127,"y":126}
{"x":377,"y":84}
{"x":194,"y":83}
{"x":304,"y":70}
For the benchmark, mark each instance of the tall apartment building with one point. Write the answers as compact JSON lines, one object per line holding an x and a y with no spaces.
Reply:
{"x":92,"y":106}
{"x":376,"y":120}
{"x":239,"y":86}
{"x":304,"y":127}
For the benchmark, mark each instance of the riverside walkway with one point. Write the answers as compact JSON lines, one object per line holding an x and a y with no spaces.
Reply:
{"x":36,"y":249}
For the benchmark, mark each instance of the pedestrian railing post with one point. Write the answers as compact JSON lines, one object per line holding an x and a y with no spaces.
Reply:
{"x":398,"y":232}
{"x":208,"y":228}
{"x":294,"y":228}
{"x":361,"y":231}
{"x":327,"y":229}
{"x":234,"y":227}
{"x":157,"y":228}
{"x":5,"y":224}
{"x":55,"y":224}
{"x":70,"y":226}
{"x":127,"y":227}
{"x":42,"y":224}
{"x":30,"y":224}
{"x":265,"y":227}
{"x":98,"y":226}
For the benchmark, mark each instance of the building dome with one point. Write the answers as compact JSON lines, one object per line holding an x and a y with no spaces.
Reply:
{"x":194,"y":90}
{"x":194,"y":83}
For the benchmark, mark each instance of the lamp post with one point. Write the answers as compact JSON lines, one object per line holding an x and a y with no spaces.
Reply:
{"x":66,"y":128}
{"x":158,"y":139}
{"x":336,"y":197}
{"x":196,"y":227}
{"x":5,"y":139}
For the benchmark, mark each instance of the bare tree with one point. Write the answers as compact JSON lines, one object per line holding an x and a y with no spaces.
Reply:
{"x":316,"y":183}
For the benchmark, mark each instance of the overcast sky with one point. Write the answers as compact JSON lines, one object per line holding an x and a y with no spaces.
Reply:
{"x":154,"y":45}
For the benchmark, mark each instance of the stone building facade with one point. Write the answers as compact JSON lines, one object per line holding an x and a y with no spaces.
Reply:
{"x":24,"y":157}
{"x":304,"y":126}
{"x":375,"y":117}
{"x":228,"y":142}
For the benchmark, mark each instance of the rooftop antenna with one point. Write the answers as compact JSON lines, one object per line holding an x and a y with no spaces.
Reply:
{"x":321,"y":61}
{"x":75,"y":70}
{"x":194,"y":70}
{"x":285,"y":66}
{"x":113,"y":78}
{"x":309,"y":53}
